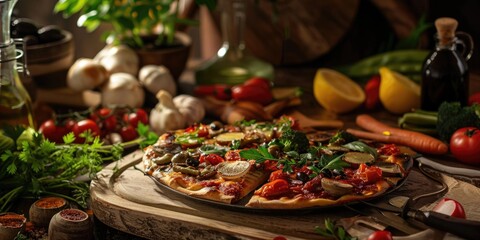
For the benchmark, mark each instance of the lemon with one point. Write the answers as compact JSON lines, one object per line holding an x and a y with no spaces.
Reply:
{"x":336,"y":92}
{"x":398,"y":93}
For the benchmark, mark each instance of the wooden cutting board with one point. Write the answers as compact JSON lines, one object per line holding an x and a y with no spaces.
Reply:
{"x":128,"y":200}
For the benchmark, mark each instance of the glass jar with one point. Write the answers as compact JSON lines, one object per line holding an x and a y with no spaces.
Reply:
{"x":233,"y":64}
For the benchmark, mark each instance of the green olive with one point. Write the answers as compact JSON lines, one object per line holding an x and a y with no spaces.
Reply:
{"x":186,"y":170}
{"x":165,"y":159}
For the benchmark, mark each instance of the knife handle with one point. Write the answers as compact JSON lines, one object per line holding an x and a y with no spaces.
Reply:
{"x":461,"y":227}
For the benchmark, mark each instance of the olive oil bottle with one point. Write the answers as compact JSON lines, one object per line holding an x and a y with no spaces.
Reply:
{"x":233,"y":64}
{"x":15,"y":103}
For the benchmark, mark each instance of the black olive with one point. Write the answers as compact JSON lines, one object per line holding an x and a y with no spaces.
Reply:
{"x":339,"y":173}
{"x":30,"y":40}
{"x":303,"y":177}
{"x":50,"y":33}
{"x":22,"y":27}
{"x":216,"y":125}
{"x":193,"y":162}
{"x":327,"y":173}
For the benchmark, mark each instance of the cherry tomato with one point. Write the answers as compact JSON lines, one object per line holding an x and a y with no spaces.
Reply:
{"x":277,"y":187}
{"x":201,"y":129}
{"x":372,"y":91}
{"x":138,"y":116}
{"x":474,"y":98}
{"x":83,"y":126}
{"x":105,"y":119}
{"x":212,"y":158}
{"x":258,"y":82}
{"x":450,"y":207}
{"x":128,"y":133}
{"x":381,"y":235}
{"x":369,"y":174}
{"x":252,"y":93}
{"x":52,"y":131}
{"x":464,"y":145}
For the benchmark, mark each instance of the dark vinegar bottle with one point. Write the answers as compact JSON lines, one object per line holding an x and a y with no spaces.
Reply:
{"x":445,"y":71}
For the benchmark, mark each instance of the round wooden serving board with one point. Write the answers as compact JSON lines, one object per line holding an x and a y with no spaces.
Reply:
{"x":125,"y":199}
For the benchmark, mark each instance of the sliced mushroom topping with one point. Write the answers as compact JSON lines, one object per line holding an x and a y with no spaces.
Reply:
{"x":336,"y":188}
{"x":233,"y":169}
{"x":227,"y":138}
{"x":358,"y":158}
{"x":390,"y":169}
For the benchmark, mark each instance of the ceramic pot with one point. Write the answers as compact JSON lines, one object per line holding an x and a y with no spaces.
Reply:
{"x":70,"y":224}
{"x":48,"y":63}
{"x":10,"y":225}
{"x":43,"y":210}
{"x":174,"y":58}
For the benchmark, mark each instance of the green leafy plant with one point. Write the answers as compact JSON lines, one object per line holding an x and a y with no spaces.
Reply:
{"x":132,"y":21}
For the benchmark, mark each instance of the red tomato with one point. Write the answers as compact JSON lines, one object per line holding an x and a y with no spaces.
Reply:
{"x":83,"y":126}
{"x":252,"y":93}
{"x":53,"y":132}
{"x":212,"y":158}
{"x":138,"y":116}
{"x":474,"y":98}
{"x":128,"y":133}
{"x":450,"y":207}
{"x":464,"y":145}
{"x":105,"y":119}
{"x":258,"y":82}
{"x":380,"y":235}
{"x":388,"y":149}
{"x":275,"y":188}
{"x":201,"y":129}
{"x":369,"y":174}
{"x":372,"y":90}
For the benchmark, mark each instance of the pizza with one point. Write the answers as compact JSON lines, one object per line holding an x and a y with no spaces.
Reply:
{"x":275,"y":164}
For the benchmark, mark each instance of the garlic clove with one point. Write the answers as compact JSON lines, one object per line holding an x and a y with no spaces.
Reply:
{"x":118,"y":59}
{"x":156,"y":78}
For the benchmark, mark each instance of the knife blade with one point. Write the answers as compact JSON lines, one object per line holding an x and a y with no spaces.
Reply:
{"x":468,"y":229}
{"x":392,"y":221}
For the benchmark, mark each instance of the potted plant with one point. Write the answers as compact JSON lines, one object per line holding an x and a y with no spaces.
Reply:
{"x":148,"y":27}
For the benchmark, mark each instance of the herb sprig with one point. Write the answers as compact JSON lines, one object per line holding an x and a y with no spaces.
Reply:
{"x":37,"y":167}
{"x":333,"y":232}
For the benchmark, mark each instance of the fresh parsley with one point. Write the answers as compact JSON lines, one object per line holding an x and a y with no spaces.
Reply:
{"x":36,"y":167}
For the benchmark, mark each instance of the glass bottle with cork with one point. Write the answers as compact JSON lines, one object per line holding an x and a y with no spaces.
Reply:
{"x":445,"y":71}
{"x":233,"y":64}
{"x":15,"y":102}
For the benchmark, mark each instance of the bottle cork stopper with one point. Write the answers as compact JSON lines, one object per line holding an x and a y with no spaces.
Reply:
{"x":446,"y":28}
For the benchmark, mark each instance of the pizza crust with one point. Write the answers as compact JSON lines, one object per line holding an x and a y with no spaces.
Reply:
{"x":289,"y":203}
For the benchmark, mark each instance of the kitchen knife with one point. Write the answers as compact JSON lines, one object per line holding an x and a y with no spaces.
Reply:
{"x":468,"y":229}
{"x":395,"y":222}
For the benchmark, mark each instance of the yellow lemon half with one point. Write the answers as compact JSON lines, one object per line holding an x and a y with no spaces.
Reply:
{"x":398,"y":93}
{"x":336,"y":92}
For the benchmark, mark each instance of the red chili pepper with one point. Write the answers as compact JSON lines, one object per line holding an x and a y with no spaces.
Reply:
{"x":252,"y":93}
{"x":219,"y":91}
{"x":372,"y":89}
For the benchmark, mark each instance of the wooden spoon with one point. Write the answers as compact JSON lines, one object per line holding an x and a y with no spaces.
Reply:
{"x":306,"y":122}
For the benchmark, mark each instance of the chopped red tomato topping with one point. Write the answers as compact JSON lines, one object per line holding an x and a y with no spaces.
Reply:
{"x":275,"y":188}
{"x":369,"y":174}
{"x":388,"y":149}
{"x":211,"y":158}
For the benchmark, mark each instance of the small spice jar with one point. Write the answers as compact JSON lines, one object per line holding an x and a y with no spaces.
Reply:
{"x":42,"y":210}
{"x":71,"y":224}
{"x":11,"y":224}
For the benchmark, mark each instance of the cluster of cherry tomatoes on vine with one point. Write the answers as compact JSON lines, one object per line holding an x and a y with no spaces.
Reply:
{"x":112,"y":125}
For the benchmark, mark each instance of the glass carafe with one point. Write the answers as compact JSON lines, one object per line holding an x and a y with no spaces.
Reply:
{"x":15,"y":102}
{"x":445,"y":75}
{"x":232,"y":64}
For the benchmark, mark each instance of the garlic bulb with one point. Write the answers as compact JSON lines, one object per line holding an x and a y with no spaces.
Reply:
{"x":123,"y":89}
{"x":86,"y":74}
{"x":156,"y":78}
{"x":118,"y":59}
{"x":190,"y":107}
{"x":165,"y":116}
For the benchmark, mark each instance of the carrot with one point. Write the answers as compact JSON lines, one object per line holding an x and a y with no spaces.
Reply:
{"x":418,"y":141}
